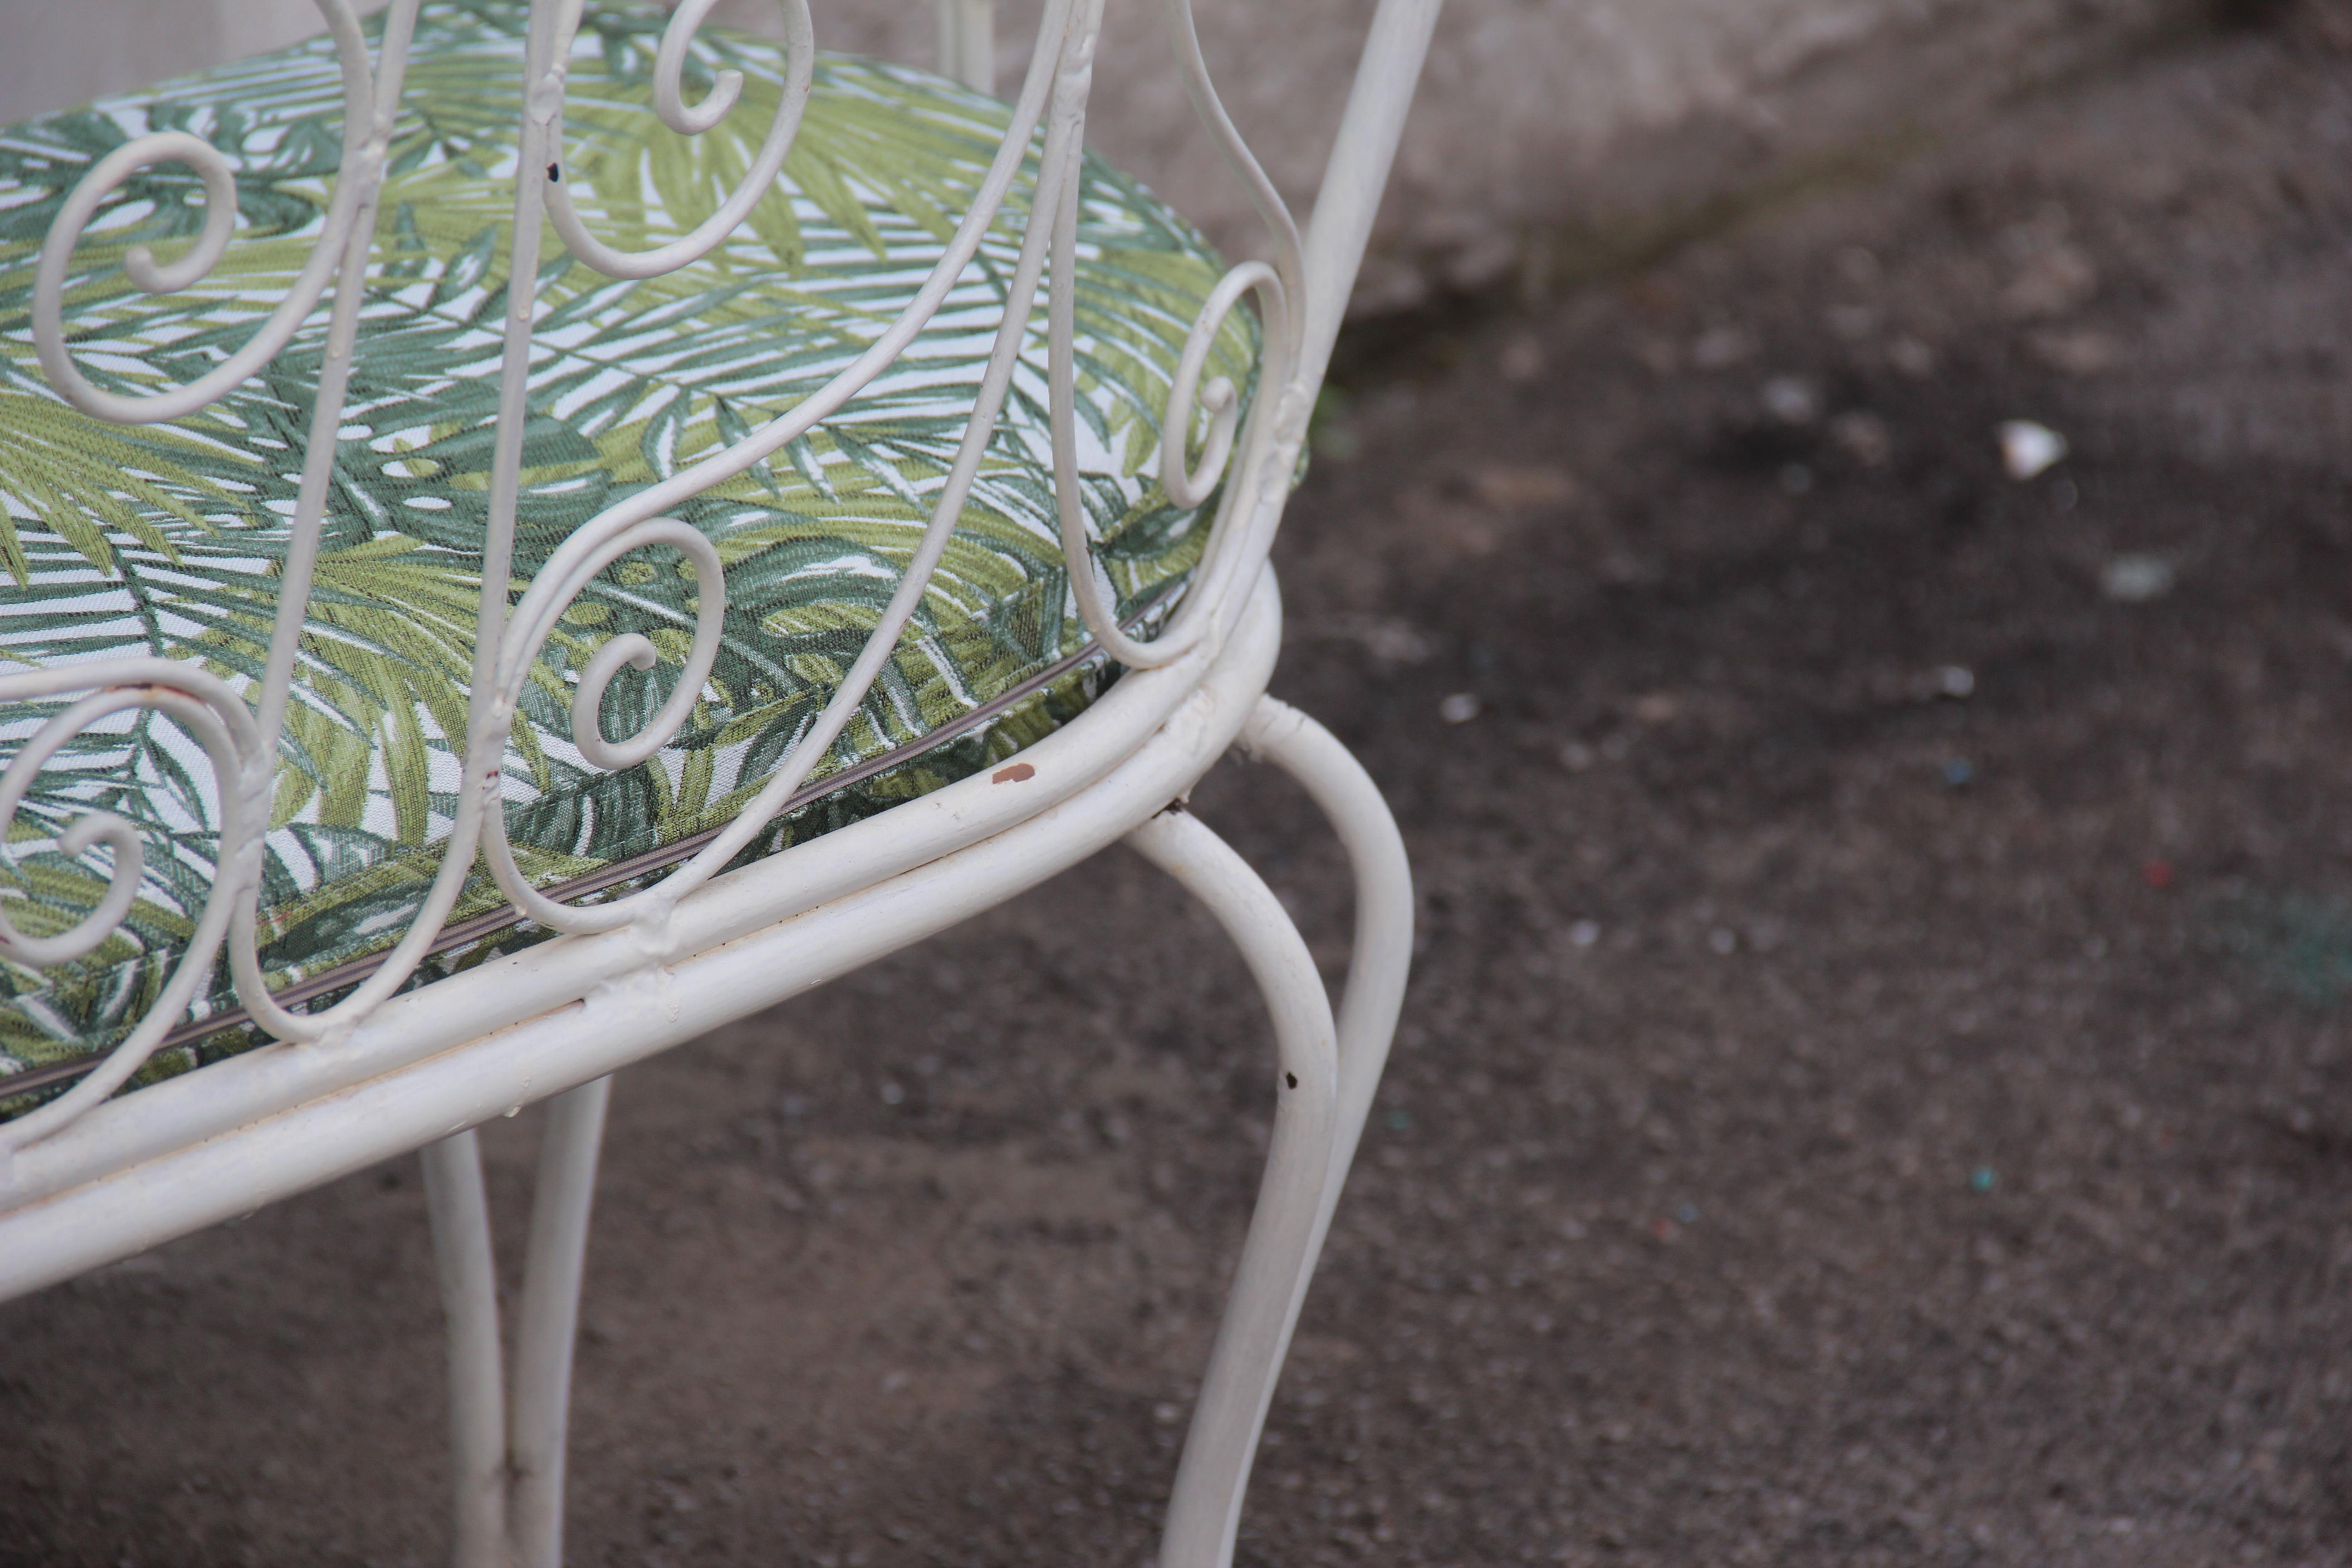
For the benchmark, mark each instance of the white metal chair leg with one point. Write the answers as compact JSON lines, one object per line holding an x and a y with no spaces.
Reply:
{"x":508,"y":1459}
{"x":1383,"y":951}
{"x":462,"y":1256}
{"x":1278,"y":1256}
{"x":1204,"y":1514}
{"x":551,"y":1318}
{"x":82,"y":1183}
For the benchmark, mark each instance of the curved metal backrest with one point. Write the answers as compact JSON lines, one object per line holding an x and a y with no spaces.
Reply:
{"x":1300,"y":288}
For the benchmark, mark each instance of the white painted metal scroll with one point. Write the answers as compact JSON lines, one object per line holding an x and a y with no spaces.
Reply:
{"x":86,"y":1177}
{"x":240,"y":728}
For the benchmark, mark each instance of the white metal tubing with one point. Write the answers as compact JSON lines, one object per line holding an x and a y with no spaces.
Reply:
{"x":225,"y":732}
{"x":265,"y":1081}
{"x":1258,"y":483}
{"x":483,"y":730}
{"x":1203,"y":91}
{"x":1278,"y":1255}
{"x":370,"y":102}
{"x":1066,"y":38}
{"x":449,"y":1056}
{"x":372,"y":121}
{"x":83,"y":1183}
{"x":220,"y":212}
{"x":968,"y":43}
{"x":463,"y":1260}
{"x":1383,"y":951}
{"x":800,"y":42}
{"x":551,"y":1316}
{"x":1060,"y":70}
{"x":1349,"y":197}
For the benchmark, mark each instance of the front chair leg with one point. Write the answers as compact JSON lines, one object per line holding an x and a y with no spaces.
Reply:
{"x":552,"y":1267}
{"x":1381,"y":954}
{"x":462,"y":1259}
{"x":1205,"y":1512}
{"x":507,"y":1459}
{"x":1278,"y":1256}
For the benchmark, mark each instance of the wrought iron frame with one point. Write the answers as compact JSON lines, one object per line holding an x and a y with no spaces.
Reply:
{"x":88,"y":1177}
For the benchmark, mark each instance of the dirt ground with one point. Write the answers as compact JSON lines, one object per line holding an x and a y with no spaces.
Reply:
{"x":1876,"y":1086}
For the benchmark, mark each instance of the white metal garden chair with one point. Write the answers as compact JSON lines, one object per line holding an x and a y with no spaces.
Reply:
{"x":842,"y":442}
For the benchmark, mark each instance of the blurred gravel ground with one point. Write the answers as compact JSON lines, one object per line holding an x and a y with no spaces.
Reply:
{"x":1875,"y":1088}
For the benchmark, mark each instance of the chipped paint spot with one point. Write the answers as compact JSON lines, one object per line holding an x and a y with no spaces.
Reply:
{"x":1014,"y":774}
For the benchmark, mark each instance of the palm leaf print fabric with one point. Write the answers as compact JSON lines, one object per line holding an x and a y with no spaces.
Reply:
{"x":167,"y":540}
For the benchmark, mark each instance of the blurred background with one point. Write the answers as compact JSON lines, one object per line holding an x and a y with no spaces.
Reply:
{"x":1551,"y":135}
{"x":1831,"y":528}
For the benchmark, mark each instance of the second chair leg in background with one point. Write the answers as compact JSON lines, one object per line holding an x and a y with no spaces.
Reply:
{"x":506,"y":1455}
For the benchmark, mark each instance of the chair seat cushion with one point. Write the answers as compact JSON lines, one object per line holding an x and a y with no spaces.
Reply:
{"x":166,"y":539}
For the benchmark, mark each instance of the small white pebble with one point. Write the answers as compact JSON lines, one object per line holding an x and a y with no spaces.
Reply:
{"x":1956,"y":680}
{"x":1792,"y":400}
{"x":1393,"y":642}
{"x":892,"y":1094}
{"x":1724,"y":939}
{"x":1576,"y":756}
{"x":2136,"y":579}
{"x":1584,"y":933}
{"x":2027,"y":448}
{"x":1459,"y":709}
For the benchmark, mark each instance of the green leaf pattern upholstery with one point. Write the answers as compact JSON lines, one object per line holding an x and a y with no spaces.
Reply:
{"x":166,"y":540}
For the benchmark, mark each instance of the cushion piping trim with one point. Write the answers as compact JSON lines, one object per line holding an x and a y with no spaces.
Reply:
{"x":35,"y":1079}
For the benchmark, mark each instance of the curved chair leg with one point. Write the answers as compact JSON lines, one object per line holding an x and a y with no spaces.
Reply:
{"x":469,"y":1307}
{"x":1381,"y":954}
{"x":551,"y":1318}
{"x":510,"y":1460}
{"x":1205,"y":1512}
{"x":507,"y":1460}
{"x":1278,"y":1255}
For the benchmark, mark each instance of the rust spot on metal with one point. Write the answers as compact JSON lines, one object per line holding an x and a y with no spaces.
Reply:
{"x":1013,"y":775}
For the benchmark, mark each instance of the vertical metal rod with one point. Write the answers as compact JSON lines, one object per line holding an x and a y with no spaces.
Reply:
{"x":542,"y":101}
{"x":485,"y":733}
{"x":334,"y":380}
{"x":551,"y":1318}
{"x":1278,"y":1255}
{"x":968,"y":42}
{"x":469,"y":1311}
